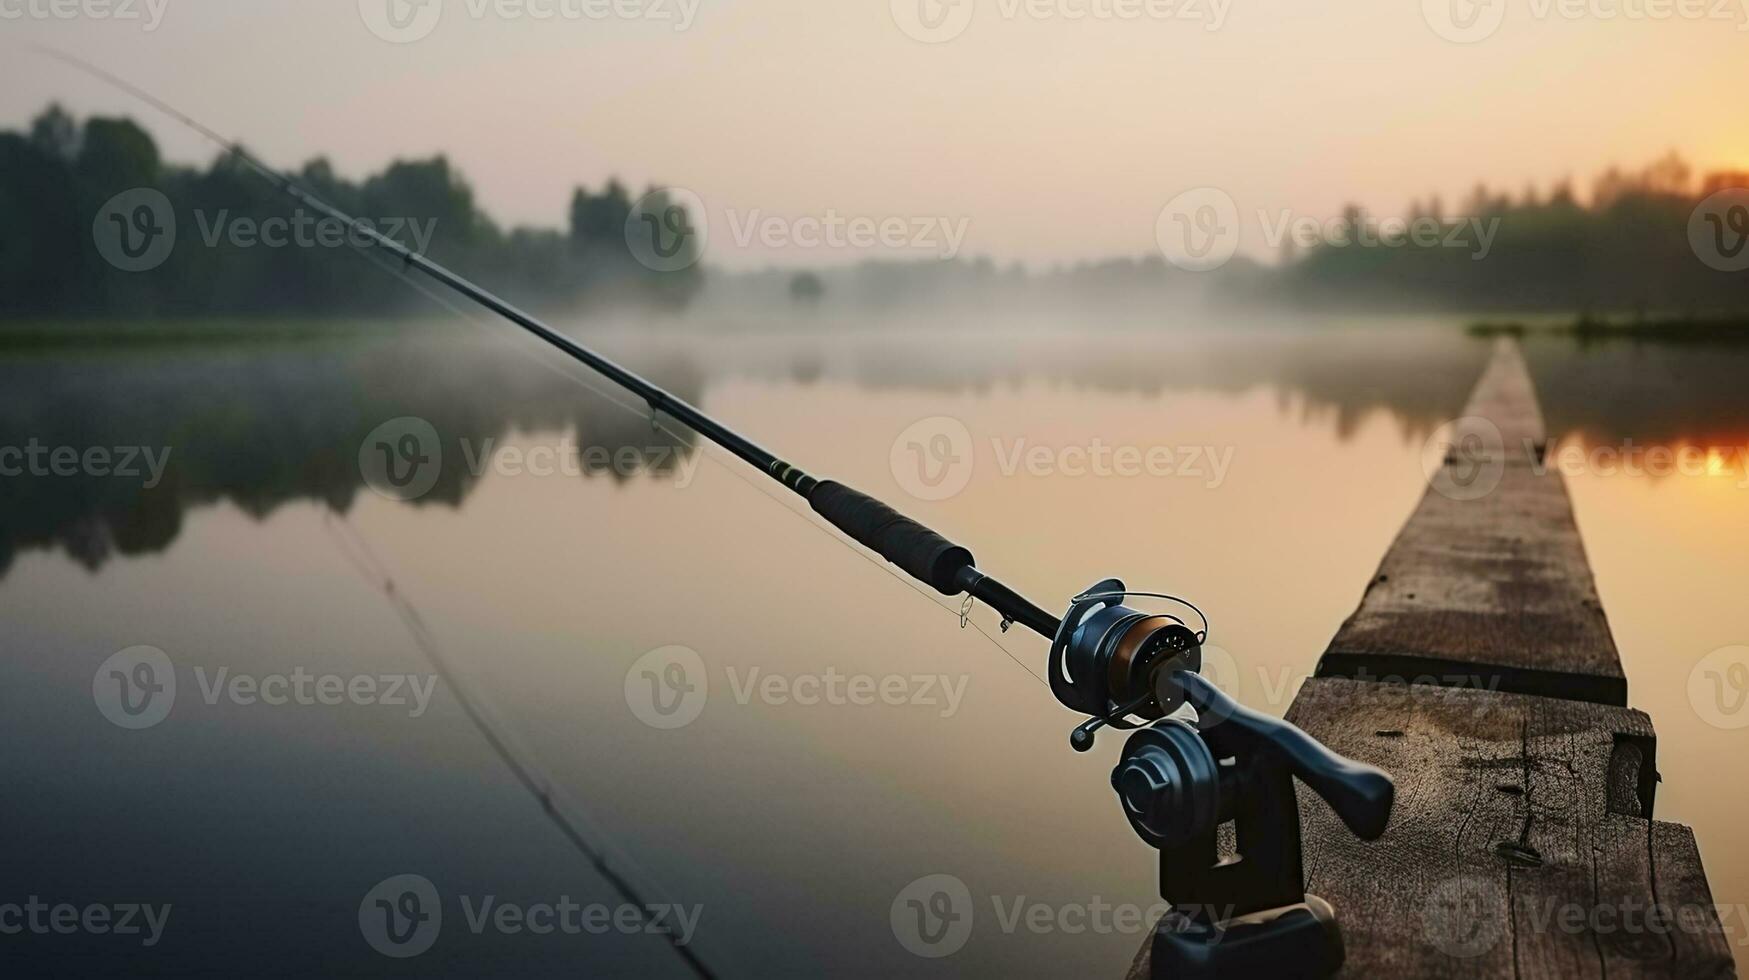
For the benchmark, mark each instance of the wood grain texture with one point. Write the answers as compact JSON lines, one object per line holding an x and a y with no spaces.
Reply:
{"x":1479,"y":671}
{"x":1504,"y":857}
{"x":1488,"y":584}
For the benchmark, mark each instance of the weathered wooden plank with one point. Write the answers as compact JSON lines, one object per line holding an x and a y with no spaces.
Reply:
{"x":1488,"y":584}
{"x":1506,"y":397}
{"x":1508,"y":853}
{"x":1522,"y":842}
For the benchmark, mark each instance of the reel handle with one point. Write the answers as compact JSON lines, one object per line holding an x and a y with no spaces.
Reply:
{"x":1359,"y":794}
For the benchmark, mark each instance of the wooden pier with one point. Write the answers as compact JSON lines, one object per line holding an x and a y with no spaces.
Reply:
{"x":1479,"y":671}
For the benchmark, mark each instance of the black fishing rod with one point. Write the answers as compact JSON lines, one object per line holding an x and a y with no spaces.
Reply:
{"x":919,"y":551}
{"x":1179,"y":778}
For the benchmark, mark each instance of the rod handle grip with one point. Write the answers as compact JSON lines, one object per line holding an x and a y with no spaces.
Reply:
{"x":924,"y":555}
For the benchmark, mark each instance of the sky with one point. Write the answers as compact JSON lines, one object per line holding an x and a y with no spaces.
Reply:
{"x":1045,"y":131}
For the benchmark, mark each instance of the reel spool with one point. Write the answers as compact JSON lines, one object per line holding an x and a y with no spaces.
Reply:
{"x":1107,"y":657}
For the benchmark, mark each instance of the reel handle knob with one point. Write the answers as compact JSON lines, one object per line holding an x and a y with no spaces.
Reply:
{"x":1081,"y":739}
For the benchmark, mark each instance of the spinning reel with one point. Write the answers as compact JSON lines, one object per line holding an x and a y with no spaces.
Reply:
{"x":1106,"y":659}
{"x":1238,"y":904}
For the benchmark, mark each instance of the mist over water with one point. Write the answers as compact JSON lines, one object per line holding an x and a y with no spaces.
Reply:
{"x":1295,"y":448}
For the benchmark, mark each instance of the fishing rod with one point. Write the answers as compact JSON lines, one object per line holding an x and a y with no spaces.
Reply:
{"x":1182,"y":774}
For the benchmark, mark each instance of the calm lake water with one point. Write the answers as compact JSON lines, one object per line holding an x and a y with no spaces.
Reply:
{"x":1296,"y":454}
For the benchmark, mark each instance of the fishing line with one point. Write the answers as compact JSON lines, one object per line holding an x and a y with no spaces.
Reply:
{"x":478,"y":711}
{"x":571,"y":820}
{"x":925,"y":555}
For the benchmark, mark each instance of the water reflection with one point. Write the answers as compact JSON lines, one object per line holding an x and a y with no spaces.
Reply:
{"x":262,"y":425}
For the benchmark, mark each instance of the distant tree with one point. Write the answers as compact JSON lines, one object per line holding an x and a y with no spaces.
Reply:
{"x":600,"y":219}
{"x":57,"y":174}
{"x":56,"y":134}
{"x":806,"y":287}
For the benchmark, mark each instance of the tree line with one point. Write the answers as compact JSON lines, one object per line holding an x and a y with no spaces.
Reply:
{"x":57,"y":177}
{"x":1640,"y":243}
